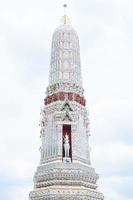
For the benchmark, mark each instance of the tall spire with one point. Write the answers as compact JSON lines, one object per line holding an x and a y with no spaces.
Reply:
{"x":65,"y":17}
{"x":65,"y":66}
{"x":65,"y":170}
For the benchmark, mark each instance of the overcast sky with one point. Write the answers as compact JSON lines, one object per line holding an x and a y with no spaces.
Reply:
{"x":105,"y":29}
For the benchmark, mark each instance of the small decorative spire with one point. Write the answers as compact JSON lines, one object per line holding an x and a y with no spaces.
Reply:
{"x":65,"y":17}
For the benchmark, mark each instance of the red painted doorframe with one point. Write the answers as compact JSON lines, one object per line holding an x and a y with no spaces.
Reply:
{"x":67,"y":129}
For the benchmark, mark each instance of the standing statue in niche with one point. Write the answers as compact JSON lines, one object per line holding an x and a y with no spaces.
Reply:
{"x":66,"y":145}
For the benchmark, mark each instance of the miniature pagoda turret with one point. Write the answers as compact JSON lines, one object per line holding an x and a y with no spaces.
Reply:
{"x":65,"y":170}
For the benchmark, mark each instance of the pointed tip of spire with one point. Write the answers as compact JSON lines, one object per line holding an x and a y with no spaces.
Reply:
{"x":65,"y":17}
{"x":65,"y":5}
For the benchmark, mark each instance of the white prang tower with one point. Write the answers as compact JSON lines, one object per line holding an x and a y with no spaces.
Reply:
{"x":65,"y":170}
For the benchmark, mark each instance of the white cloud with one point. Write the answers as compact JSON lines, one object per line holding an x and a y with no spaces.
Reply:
{"x":111,"y":146}
{"x":19,"y":193}
{"x":122,"y":187}
{"x":112,"y":120}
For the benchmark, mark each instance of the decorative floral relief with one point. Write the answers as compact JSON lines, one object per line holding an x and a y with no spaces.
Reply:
{"x":61,"y":97}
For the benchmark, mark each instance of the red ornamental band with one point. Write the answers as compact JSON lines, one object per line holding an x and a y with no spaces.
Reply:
{"x":61,"y":97}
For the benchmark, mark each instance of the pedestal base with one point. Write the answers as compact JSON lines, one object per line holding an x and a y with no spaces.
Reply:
{"x":65,"y":181}
{"x":67,"y":160}
{"x":65,"y":193}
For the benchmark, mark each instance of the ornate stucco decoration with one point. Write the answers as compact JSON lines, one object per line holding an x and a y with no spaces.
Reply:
{"x":65,"y":170}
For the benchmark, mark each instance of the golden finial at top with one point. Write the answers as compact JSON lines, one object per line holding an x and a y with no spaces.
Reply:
{"x":65,"y":17}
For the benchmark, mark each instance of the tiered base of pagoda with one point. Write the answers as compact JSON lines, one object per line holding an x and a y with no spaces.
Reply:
{"x":65,"y":193}
{"x":65,"y":181}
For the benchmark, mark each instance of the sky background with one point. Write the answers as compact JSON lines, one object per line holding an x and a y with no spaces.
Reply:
{"x":105,"y":29}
